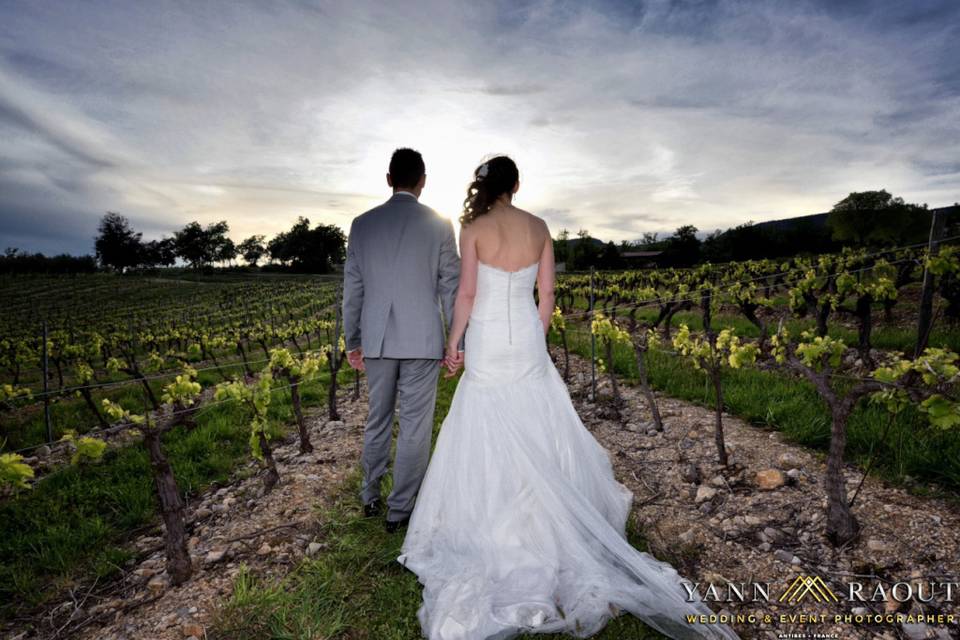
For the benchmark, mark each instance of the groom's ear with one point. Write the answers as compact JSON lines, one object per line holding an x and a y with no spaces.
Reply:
{"x":389,"y":180}
{"x":423,"y":181}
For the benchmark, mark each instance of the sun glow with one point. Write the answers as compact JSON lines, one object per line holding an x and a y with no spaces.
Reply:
{"x":453,"y":142}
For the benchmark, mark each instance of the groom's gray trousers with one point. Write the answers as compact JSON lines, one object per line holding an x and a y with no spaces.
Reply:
{"x":412,"y":382}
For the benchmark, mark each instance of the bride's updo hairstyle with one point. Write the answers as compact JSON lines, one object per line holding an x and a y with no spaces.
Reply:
{"x":491,"y":180}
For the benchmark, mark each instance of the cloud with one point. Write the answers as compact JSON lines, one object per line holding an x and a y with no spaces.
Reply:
{"x":512,"y":90}
{"x":623,"y":117}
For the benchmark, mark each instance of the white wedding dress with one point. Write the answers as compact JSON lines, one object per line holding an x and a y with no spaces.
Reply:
{"x":519,"y":522}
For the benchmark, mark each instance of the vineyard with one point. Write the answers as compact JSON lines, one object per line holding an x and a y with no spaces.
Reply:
{"x":96,"y":335}
{"x":132,"y":368}
{"x":122,"y":397}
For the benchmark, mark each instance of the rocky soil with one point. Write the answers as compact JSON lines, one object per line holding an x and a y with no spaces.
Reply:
{"x":761,"y":519}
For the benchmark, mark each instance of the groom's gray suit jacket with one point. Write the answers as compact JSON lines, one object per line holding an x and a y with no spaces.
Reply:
{"x":401,"y":272}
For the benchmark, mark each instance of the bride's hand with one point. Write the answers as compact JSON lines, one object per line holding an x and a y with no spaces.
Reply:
{"x":453,"y":360}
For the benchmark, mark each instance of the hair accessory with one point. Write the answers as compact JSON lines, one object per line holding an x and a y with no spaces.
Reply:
{"x":482,"y":171}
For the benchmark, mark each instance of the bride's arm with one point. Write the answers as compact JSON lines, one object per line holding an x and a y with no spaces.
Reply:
{"x":545,"y":283}
{"x":466,"y":289}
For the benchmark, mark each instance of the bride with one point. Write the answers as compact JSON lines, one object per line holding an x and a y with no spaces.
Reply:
{"x":519,"y":523}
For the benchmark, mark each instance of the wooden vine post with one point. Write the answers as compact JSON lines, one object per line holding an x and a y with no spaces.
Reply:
{"x":179,"y":400}
{"x":593,"y":342}
{"x":925,"y":321}
{"x":256,"y":397}
{"x":559,"y":325}
{"x":610,"y":335}
{"x":46,"y":383}
{"x":642,"y":338}
{"x":710,"y":357}
{"x":296,"y":371}
{"x":928,"y":381}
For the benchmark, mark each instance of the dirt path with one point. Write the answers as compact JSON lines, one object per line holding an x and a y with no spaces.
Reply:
{"x":714,"y":525}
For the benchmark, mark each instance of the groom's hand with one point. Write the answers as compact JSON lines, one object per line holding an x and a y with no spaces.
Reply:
{"x":355,"y":358}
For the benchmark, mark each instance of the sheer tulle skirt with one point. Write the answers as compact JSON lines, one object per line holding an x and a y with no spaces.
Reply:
{"x":519,"y":523}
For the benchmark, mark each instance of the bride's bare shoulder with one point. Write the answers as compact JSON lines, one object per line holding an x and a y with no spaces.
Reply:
{"x":536,"y":222}
{"x":533,"y":219}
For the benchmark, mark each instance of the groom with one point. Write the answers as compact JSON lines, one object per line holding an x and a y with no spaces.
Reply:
{"x":401,"y":270}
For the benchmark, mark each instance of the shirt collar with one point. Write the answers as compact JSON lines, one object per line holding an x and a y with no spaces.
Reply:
{"x":406,"y":192}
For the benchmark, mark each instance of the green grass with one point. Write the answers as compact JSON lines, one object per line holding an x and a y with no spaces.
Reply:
{"x":777,"y":401}
{"x":72,"y":525}
{"x":355,"y":588}
{"x":27,"y":427}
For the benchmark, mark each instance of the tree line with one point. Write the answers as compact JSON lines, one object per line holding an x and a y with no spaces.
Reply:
{"x":17,"y":261}
{"x":866,"y":218}
{"x":301,"y":249}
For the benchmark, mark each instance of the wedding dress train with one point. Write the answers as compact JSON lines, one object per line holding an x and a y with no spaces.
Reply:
{"x":519,"y":523}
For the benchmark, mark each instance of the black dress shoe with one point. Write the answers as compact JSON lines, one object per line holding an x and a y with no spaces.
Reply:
{"x":372,"y":508}
{"x":393,"y":525}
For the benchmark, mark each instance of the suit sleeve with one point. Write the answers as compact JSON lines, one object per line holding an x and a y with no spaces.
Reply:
{"x":352,"y":292}
{"x":448,"y":274}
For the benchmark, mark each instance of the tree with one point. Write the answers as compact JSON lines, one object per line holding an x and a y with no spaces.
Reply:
{"x":14,"y":260}
{"x":221,"y":247}
{"x":252,"y":249}
{"x":201,"y":246}
{"x":307,"y":250}
{"x":561,"y":246}
{"x":683,"y":247}
{"x":584,"y":253}
{"x":276,"y":248}
{"x":191,"y":245}
{"x":330,"y":244}
{"x":876,"y":218}
{"x":227,"y":251}
{"x":159,"y":253}
{"x":610,"y":257}
{"x":117,"y":245}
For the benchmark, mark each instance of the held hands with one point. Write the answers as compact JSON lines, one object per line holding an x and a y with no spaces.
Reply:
{"x":452,"y":360}
{"x":355,"y":358}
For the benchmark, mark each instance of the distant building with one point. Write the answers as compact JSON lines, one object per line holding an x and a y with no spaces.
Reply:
{"x":641,"y":259}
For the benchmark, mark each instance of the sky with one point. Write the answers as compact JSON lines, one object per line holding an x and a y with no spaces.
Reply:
{"x":623,"y":117}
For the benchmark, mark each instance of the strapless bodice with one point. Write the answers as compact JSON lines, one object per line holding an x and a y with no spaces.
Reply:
{"x":503,"y":293}
{"x":504,"y":339}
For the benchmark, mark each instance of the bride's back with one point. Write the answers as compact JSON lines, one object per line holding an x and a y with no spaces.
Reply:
{"x":504,"y":338}
{"x":509,"y":238}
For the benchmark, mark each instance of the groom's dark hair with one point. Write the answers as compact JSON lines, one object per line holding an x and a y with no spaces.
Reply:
{"x":406,"y":168}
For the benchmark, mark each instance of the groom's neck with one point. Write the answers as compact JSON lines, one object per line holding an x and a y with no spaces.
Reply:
{"x":414,"y":192}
